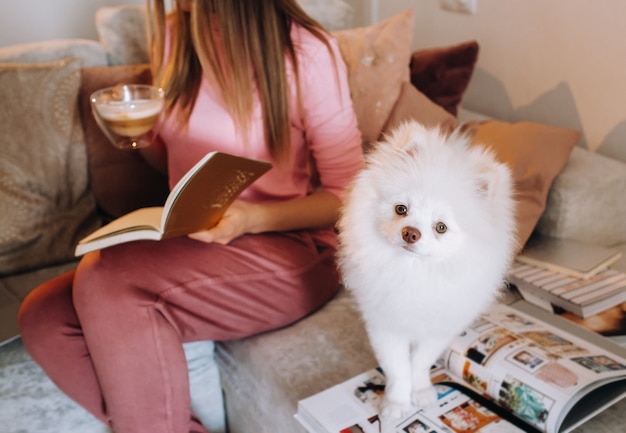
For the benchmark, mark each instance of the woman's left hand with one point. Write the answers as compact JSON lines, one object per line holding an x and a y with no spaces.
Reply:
{"x":234,"y":223}
{"x":317,"y":210}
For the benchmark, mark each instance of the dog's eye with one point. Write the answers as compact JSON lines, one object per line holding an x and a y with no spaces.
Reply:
{"x":440,"y":227}
{"x":401,"y":209}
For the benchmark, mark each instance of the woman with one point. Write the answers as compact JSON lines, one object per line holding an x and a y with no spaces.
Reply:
{"x":249,"y":77}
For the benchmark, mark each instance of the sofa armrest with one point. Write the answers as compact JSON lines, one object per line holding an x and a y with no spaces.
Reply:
{"x":587,"y":201}
{"x":91,"y":53}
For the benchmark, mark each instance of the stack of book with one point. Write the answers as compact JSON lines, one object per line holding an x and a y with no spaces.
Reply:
{"x":569,"y":275}
{"x":583,"y":298}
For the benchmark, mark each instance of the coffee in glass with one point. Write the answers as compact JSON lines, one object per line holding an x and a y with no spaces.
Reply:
{"x":126,"y":113}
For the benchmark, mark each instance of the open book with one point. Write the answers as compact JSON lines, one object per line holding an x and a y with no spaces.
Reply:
{"x":198,"y":201}
{"x":517,"y":368}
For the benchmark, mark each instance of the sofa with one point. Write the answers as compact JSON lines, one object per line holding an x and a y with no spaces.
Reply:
{"x":60,"y":179}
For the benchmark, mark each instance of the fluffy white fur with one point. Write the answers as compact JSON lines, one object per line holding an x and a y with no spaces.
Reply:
{"x":416,"y":295}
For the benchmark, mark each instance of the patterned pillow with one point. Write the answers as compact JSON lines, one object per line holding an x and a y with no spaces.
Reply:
{"x":46,"y":205}
{"x":377,"y":58}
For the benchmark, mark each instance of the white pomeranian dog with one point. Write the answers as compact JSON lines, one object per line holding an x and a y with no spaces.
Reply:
{"x":425,"y":239}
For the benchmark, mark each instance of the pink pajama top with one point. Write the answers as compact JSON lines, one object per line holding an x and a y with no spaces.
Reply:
{"x":323,"y":126}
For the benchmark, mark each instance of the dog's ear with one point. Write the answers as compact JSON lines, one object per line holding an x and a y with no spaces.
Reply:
{"x":408,"y":135}
{"x":494,"y":177}
{"x":396,"y":138}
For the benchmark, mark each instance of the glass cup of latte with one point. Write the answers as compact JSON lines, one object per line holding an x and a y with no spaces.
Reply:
{"x":126,"y":113}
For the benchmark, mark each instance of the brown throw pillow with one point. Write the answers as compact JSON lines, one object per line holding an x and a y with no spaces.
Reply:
{"x":376,"y":58}
{"x":443,"y":73}
{"x":414,"y":105}
{"x":121,"y":180}
{"x":536,"y":154}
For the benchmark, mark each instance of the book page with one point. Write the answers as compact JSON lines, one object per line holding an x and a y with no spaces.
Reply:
{"x":529,"y":367}
{"x":136,"y":225}
{"x":148,"y":218}
{"x":352,"y":407}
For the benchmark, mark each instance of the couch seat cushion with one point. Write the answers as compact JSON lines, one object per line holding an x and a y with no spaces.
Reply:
{"x":265,"y":376}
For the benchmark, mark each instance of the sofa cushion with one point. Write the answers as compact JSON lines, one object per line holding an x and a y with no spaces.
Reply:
{"x":536,"y":154}
{"x":47,"y":206}
{"x":377,"y":59}
{"x":120,"y":180}
{"x":587,"y":201}
{"x":443,"y":73}
{"x":264,"y":376}
{"x":122,"y":33}
{"x":414,"y":105}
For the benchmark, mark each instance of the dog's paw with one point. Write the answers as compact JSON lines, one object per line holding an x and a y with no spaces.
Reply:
{"x":425,"y":397}
{"x":393,"y":409}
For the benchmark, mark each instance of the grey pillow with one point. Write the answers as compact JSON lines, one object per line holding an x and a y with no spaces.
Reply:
{"x":122,"y":32}
{"x":46,"y":205}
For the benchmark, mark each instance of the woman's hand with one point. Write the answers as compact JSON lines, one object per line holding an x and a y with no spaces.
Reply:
{"x":235,"y":222}
{"x":315,"y":211}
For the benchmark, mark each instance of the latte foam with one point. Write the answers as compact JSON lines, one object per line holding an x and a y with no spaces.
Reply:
{"x":130,"y":118}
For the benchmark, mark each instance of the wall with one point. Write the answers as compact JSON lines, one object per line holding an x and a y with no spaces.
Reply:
{"x":538,"y":60}
{"x":559,"y":62}
{"x":365,"y":11}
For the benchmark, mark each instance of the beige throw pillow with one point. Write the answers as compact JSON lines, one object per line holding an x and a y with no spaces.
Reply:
{"x":377,"y":58}
{"x":46,"y":206}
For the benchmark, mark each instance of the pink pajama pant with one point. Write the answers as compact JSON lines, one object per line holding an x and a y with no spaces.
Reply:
{"x":110,"y":334}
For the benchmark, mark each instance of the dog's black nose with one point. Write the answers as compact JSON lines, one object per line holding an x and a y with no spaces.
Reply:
{"x":410,"y":235}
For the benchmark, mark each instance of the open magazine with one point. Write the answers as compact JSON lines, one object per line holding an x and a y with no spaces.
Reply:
{"x":515,"y":369}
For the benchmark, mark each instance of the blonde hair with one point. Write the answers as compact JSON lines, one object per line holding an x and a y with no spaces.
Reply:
{"x":241,"y":46}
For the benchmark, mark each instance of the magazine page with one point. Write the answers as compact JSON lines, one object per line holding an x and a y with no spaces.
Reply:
{"x":352,"y":407}
{"x":533,"y":369}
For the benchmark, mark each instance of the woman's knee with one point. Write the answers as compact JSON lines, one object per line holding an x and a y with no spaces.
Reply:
{"x":108,"y":283}
{"x":46,"y":310}
{"x":94,"y":284}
